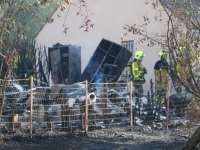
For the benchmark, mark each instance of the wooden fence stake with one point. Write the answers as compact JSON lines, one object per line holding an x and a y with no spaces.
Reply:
{"x":167,"y":111}
{"x":105,"y":103}
{"x":31,"y":105}
{"x":131,"y":110}
{"x":86,"y":107}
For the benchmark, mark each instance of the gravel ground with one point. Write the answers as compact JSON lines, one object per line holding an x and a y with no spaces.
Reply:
{"x":141,"y":138}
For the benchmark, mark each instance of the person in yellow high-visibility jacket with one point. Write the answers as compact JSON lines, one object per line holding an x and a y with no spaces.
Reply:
{"x":161,"y":69}
{"x":138,"y":72}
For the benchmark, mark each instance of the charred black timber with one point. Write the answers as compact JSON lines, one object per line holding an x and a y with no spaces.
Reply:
{"x":109,"y":59}
{"x":65,"y":63}
{"x":149,"y":108}
{"x":49,"y":123}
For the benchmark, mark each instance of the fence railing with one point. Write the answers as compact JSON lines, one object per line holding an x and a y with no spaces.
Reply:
{"x":30,"y":105}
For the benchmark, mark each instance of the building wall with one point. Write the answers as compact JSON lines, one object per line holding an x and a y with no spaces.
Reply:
{"x":109,"y":17}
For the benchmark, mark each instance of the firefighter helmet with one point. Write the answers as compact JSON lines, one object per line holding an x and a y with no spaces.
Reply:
{"x":161,"y":53}
{"x":139,"y":54}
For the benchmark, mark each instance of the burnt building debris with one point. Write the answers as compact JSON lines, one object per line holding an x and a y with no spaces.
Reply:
{"x":179,"y":103}
{"x":65,"y":63}
{"x":63,"y":104}
{"x":62,"y":107}
{"x":108,"y":60}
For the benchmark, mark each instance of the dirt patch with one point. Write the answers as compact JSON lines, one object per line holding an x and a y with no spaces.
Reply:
{"x":141,"y":138}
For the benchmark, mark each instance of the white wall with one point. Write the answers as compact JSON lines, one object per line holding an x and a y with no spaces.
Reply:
{"x":109,"y":17}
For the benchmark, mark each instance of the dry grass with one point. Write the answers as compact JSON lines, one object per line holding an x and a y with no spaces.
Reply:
{"x":194,"y":116}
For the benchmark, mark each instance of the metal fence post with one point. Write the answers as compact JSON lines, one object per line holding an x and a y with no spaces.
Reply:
{"x":167,"y":112}
{"x":31,"y":105}
{"x":86,"y":107}
{"x":131,"y":110}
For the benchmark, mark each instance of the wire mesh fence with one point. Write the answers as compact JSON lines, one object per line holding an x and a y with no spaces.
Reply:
{"x":109,"y":105}
{"x":14,"y":105}
{"x":30,"y":106}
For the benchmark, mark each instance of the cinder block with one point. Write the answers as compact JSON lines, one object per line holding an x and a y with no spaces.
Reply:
{"x":15,"y":124}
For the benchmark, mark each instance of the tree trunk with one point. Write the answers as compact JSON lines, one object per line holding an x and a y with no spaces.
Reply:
{"x":193,"y":141}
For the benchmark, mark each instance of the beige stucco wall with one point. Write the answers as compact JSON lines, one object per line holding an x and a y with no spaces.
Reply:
{"x":109,"y":17}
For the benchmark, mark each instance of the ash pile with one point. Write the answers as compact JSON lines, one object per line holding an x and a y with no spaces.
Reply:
{"x":109,"y":106}
{"x":62,"y":108}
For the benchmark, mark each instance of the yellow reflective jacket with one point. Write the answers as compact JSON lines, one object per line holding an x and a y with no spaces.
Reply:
{"x":137,"y":71}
